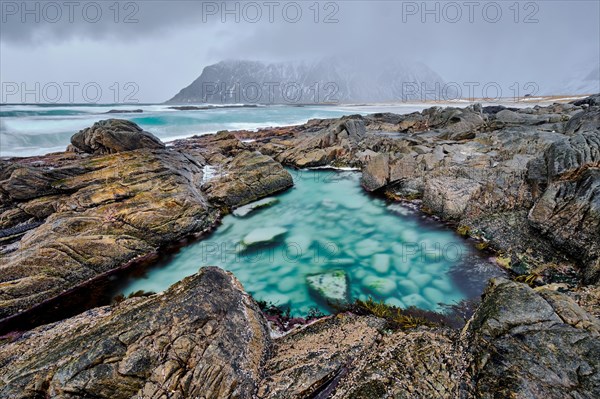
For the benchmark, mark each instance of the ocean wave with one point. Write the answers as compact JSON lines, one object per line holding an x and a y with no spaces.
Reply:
{"x":34,"y":130}
{"x":52,"y":112}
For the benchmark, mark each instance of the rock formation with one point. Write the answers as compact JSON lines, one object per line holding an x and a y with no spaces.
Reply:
{"x":523,"y":181}
{"x":204,"y":337}
{"x":114,"y":135}
{"x":521,"y":178}
{"x":89,"y":216}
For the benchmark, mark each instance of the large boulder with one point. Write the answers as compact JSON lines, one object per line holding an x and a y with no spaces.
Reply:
{"x":584,"y":121}
{"x":333,"y":143}
{"x":528,"y":344}
{"x":376,"y":173}
{"x":463,"y":124}
{"x":114,"y":135}
{"x":567,"y":157}
{"x":203,"y":337}
{"x":311,"y":360}
{"x":569,"y":206}
{"x":116,"y":208}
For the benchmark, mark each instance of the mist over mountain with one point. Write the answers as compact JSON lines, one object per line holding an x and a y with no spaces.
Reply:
{"x":329,"y":80}
{"x":581,"y":79}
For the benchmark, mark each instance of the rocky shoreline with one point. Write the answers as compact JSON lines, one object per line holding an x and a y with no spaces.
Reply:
{"x":524,"y":182}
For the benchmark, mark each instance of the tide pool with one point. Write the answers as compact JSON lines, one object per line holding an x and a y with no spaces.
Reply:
{"x":326,"y":239}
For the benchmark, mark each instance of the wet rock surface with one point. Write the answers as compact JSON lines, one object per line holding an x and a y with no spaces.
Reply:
{"x":529,"y":344}
{"x":204,"y":337}
{"x":523,"y":179}
{"x":114,"y":209}
{"x":68,"y":218}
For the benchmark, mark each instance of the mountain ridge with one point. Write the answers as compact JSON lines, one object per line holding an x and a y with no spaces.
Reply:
{"x":330,"y":80}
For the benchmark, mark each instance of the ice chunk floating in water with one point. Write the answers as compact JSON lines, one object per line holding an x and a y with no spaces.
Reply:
{"x":326,"y":240}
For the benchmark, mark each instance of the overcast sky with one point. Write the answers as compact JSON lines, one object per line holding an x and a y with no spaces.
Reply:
{"x":162,"y":46}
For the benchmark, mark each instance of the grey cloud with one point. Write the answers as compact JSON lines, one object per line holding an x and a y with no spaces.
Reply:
{"x":39,"y":22}
{"x":562,"y":44}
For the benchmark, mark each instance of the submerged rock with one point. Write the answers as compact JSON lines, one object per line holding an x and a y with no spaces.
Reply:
{"x":245,"y":210}
{"x":407,"y":287}
{"x":381,"y":263}
{"x":380,"y":286}
{"x":331,"y":287}
{"x":298,"y":245}
{"x":367,"y":247}
{"x":263,"y":235}
{"x":416,"y":300}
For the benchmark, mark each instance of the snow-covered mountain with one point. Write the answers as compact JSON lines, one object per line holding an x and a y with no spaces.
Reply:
{"x":330,"y":80}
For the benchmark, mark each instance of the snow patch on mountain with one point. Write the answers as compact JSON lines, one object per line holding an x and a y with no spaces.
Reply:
{"x":330,"y":80}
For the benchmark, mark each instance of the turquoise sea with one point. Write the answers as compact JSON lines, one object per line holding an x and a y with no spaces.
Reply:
{"x":27,"y":130}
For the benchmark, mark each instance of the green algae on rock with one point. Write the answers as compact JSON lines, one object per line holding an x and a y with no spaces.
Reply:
{"x":331,"y":287}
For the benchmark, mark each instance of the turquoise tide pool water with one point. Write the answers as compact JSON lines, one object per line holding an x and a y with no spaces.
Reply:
{"x":329,"y":231}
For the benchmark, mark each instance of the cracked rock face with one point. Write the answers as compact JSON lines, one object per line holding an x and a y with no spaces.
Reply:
{"x":99,"y":216}
{"x":407,"y":365}
{"x":573,"y":206}
{"x":533,"y":345}
{"x":315,"y":358}
{"x":204,"y":337}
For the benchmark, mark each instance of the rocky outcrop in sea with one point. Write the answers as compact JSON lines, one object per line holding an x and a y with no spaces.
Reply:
{"x":523,"y":182}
